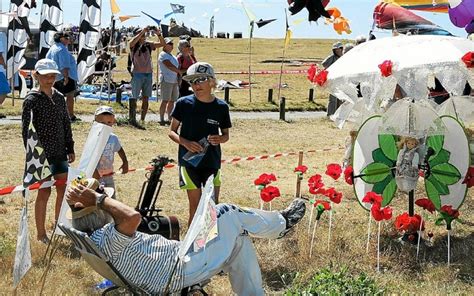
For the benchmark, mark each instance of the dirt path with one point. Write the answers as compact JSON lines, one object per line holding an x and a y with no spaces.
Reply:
{"x":235,"y":115}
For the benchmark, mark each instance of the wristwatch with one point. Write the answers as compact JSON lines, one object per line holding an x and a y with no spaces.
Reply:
{"x":100,"y":200}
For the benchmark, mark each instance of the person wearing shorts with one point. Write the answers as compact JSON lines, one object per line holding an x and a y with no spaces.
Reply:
{"x":67,"y":78}
{"x":169,"y":76}
{"x":142,"y":70}
{"x":46,"y":108}
{"x":203,"y":122}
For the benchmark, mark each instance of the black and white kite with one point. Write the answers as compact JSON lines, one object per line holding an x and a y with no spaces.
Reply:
{"x":177,"y":8}
{"x":51,"y":22}
{"x":316,"y":8}
{"x":89,"y":35}
{"x":18,"y":34}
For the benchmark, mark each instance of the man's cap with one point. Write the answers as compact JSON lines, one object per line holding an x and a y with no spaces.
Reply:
{"x":199,"y":69}
{"x":104,"y":110}
{"x":337,"y":45}
{"x":46,"y":66}
{"x":75,"y":213}
{"x":168,"y":40}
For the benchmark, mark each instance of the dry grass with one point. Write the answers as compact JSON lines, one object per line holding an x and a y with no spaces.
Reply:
{"x":232,"y":55}
{"x":280,"y":260}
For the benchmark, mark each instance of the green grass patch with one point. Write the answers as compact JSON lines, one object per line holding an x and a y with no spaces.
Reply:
{"x":329,"y":281}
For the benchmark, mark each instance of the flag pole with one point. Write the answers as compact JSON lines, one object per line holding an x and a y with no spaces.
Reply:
{"x":283,"y":58}
{"x":252,"y":23}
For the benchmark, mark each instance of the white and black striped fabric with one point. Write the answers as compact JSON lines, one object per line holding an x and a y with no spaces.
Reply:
{"x":51,"y":22}
{"x":18,"y":29}
{"x":146,"y":261}
{"x":89,"y":35}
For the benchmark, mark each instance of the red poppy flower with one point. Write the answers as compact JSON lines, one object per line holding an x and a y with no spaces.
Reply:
{"x":269,"y":193}
{"x":312,"y":72}
{"x":314,"y":190}
{"x":321,"y":77}
{"x":450,"y":211}
{"x":372,"y":198}
{"x":324,"y":204}
{"x":348,"y":174}
{"x":315,"y":182}
{"x":468,"y":59}
{"x":469,"y":179}
{"x":334,"y":170}
{"x":409,"y":224}
{"x":386,"y":68}
{"x":425,"y":204}
{"x":264,"y":179}
{"x":333,"y":195}
{"x":379,"y":213}
{"x":301,"y":169}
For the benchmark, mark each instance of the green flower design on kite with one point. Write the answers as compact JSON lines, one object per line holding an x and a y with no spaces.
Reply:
{"x":381,"y":172}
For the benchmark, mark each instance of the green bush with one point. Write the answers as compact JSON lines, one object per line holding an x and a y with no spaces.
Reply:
{"x":328,"y":282}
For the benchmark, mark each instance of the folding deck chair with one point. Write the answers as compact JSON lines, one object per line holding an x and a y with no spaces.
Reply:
{"x":99,"y":261}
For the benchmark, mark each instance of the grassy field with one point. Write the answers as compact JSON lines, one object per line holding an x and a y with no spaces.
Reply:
{"x":232,"y":55}
{"x":281,"y":261}
{"x":285,"y":263}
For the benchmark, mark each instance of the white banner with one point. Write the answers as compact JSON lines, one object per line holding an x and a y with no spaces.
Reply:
{"x":51,"y":22}
{"x":23,"y":254}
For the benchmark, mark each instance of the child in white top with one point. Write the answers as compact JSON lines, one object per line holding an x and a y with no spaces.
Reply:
{"x":105,"y":167}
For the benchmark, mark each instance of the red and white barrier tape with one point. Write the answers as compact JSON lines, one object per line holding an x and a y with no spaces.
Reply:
{"x":46,"y":184}
{"x":269,"y":72}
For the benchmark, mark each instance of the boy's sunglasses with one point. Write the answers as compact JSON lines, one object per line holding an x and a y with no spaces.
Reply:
{"x":199,"y":80}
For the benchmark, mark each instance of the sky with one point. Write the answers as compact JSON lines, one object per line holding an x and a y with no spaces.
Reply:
{"x":230,"y":17}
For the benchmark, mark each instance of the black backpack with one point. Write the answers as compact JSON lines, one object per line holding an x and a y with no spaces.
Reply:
{"x":144,"y":47}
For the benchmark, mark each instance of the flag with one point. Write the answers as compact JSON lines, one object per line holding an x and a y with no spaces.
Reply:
{"x":153,"y":18}
{"x":36,"y":165}
{"x":51,"y":22}
{"x":250,"y":15}
{"x":288,"y":33}
{"x":262,"y":22}
{"x":114,"y":7}
{"x":23,"y":253}
{"x":18,"y":32}
{"x":124,"y":18}
{"x":203,"y":228}
{"x":89,"y":33}
{"x":177,"y":8}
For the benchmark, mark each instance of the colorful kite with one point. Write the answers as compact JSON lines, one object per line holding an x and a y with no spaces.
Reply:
{"x":461,"y":12}
{"x":423,"y":5}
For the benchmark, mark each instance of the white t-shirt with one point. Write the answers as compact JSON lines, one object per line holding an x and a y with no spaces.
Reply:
{"x":106,"y":162}
{"x":3,"y":50}
{"x":166,"y":74}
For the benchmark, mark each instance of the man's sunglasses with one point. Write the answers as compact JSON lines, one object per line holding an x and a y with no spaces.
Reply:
{"x":199,"y":80}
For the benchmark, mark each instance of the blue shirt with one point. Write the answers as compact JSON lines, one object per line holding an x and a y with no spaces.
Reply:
{"x":61,"y":55}
{"x":199,"y":120}
{"x":147,"y":261}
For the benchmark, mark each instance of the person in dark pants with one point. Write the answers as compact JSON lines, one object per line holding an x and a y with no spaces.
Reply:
{"x":67,"y":78}
{"x":337,"y":51}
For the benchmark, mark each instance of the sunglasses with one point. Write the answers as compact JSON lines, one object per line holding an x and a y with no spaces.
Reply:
{"x":199,"y":80}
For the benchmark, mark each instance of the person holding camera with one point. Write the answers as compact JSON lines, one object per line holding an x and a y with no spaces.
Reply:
{"x":67,"y":78}
{"x":141,"y":69}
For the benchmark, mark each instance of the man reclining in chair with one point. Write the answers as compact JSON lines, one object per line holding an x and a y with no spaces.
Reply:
{"x":148,"y":261}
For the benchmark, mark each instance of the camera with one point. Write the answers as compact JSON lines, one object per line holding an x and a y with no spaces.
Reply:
{"x":152,"y":28}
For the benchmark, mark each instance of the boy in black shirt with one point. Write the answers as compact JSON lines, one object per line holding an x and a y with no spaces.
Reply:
{"x":205,"y":122}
